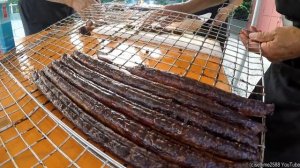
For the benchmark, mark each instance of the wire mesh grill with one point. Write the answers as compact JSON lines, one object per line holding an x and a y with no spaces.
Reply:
{"x":129,"y":36}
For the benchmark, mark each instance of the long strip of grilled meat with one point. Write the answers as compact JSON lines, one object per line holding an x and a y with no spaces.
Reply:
{"x":116,"y":144}
{"x":245,"y":106}
{"x":197,"y":138}
{"x":151,"y":140}
{"x":189,"y":100}
{"x":170,"y":108}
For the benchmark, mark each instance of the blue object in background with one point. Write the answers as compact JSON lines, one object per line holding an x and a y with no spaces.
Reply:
{"x":6,"y":34}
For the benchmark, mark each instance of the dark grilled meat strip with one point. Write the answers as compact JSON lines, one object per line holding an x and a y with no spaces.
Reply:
{"x":245,"y":106}
{"x":169,"y":108}
{"x":198,"y":103}
{"x":116,"y":144}
{"x":151,"y":140}
{"x":197,"y":138}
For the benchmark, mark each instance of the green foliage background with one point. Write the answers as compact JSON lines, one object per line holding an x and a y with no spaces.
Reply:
{"x":242,"y":12}
{"x":13,"y":1}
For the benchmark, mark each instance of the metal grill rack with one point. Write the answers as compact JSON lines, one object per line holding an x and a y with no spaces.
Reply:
{"x":34,"y":133}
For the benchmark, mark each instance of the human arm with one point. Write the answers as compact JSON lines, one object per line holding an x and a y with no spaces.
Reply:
{"x":77,"y":5}
{"x":193,"y":6}
{"x":189,"y":7}
{"x":226,"y":11}
{"x":278,"y":45}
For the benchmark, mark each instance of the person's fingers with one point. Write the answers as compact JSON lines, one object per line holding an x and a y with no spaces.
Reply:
{"x":251,"y":30}
{"x":245,"y":32}
{"x":245,"y":40}
{"x":219,"y":19}
{"x":218,"y":16}
{"x":253,"y":46}
{"x":262,"y":36}
{"x":217,"y":23}
{"x":254,"y":29}
{"x":250,"y":45}
{"x":265,"y":48}
{"x":271,"y":52}
{"x":244,"y":35}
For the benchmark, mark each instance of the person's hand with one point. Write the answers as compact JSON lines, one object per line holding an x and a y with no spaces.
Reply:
{"x":279,"y":45}
{"x":77,"y":5}
{"x":222,"y":16}
{"x":252,"y":46}
{"x":163,"y":17}
{"x":176,"y":7}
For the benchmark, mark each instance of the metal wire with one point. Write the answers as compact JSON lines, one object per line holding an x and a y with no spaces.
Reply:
{"x":128,"y":36}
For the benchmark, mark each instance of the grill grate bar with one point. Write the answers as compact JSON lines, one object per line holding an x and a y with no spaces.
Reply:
{"x":189,"y":48}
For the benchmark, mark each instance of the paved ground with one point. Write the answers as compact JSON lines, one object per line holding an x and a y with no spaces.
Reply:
{"x":243,"y":79}
{"x":17,"y":26}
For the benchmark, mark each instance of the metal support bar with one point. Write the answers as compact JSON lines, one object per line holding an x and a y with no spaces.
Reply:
{"x":256,"y":12}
